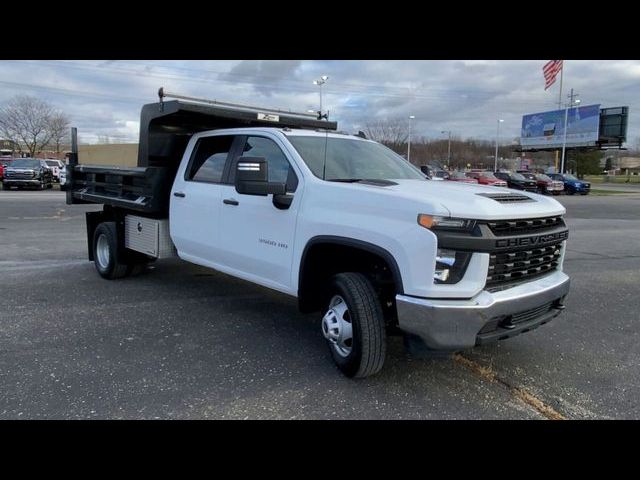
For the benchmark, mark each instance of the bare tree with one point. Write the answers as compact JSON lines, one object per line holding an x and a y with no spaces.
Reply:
{"x":28,"y":121}
{"x":59,"y":125}
{"x":392,"y":133}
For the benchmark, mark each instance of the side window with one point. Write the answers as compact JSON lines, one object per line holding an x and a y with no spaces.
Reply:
{"x":208,"y":159}
{"x":280,"y":170}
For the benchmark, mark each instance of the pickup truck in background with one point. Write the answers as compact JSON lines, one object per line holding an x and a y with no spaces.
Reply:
{"x":572,"y":185}
{"x":344,"y":224}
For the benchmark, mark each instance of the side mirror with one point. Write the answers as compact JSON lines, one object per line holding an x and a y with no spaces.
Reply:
{"x":252,"y":178}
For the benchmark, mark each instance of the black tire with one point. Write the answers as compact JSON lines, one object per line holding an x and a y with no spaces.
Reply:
{"x":369,"y":344}
{"x":111,"y":269}
{"x":49,"y":185}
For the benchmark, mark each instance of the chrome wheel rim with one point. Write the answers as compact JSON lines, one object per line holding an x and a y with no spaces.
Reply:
{"x":337,"y":327}
{"x":102,"y":251}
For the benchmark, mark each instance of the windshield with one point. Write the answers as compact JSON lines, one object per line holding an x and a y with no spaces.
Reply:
{"x":544,"y":178}
{"x":517,"y":176}
{"x":25,"y":163}
{"x":568,"y":176}
{"x":352,"y":159}
{"x":52,"y":163}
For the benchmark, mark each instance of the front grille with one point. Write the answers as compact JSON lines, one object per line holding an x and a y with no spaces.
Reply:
{"x":19,"y":175}
{"x":519,"y":227}
{"x":523,"y":265}
{"x":507,"y":197}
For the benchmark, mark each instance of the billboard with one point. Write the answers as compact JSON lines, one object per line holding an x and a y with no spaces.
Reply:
{"x":546,"y":129}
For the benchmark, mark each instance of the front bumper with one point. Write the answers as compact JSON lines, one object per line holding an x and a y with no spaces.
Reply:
{"x":460,"y":324}
{"x":15,"y":182}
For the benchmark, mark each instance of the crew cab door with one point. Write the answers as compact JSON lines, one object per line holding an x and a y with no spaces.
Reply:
{"x":256,"y":237}
{"x":195,"y":199}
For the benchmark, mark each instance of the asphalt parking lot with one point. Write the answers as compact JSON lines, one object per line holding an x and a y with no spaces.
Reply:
{"x":180,"y":341}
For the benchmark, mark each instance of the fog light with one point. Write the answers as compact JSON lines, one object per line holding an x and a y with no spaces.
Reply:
{"x":450,"y":265}
{"x":441,"y":275}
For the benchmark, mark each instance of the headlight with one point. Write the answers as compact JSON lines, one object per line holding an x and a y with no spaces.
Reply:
{"x":434,"y":222}
{"x":450,"y":265}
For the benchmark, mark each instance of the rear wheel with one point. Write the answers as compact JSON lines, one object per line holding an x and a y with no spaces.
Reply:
{"x":353,"y":324}
{"x":106,"y":252}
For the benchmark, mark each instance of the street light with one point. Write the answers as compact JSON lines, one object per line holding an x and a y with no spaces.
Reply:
{"x":323,"y":79}
{"x":411,"y":117}
{"x":495,"y":165}
{"x":566,"y":118}
{"x":449,"y":148}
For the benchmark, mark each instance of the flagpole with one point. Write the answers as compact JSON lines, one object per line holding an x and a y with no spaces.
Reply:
{"x":560,"y":95}
{"x":559,"y":107}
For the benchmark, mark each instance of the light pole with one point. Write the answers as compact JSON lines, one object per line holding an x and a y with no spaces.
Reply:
{"x":566,"y":118}
{"x":411,"y":117}
{"x":323,"y":79}
{"x":495,"y":165}
{"x":449,"y":147}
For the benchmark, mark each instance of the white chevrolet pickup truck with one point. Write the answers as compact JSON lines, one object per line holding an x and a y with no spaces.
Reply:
{"x":342,"y":223}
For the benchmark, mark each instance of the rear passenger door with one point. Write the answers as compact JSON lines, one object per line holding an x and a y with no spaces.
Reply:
{"x":195,"y":200}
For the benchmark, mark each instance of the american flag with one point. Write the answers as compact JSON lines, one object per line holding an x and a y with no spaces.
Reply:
{"x":550,"y":70}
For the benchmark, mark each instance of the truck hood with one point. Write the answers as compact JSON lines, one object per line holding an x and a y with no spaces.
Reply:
{"x":467,"y":200}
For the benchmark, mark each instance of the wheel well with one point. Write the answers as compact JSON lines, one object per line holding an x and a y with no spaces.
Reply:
{"x":108,"y":214}
{"x":324,"y":258}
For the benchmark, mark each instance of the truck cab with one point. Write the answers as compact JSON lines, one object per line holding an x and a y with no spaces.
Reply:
{"x":343,"y":223}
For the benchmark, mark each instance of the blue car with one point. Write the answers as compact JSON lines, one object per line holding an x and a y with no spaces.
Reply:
{"x":572,"y":184}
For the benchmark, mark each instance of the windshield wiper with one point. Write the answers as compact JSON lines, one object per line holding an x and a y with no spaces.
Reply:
{"x":370,"y":181}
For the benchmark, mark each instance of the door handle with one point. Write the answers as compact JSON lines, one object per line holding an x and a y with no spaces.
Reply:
{"x":230,"y":201}
{"x":179,"y":194}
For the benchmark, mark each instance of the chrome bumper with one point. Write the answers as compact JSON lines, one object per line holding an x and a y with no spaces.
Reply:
{"x":457,"y":324}
{"x":20,"y":181}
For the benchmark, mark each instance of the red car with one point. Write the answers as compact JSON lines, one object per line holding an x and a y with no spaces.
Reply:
{"x":487,"y":178}
{"x":3,"y":163}
{"x":461,"y":177}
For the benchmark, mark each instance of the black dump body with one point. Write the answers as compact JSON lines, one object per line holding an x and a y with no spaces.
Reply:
{"x":165,"y":129}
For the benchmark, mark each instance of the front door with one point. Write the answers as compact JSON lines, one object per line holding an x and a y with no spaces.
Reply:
{"x":257,"y":238}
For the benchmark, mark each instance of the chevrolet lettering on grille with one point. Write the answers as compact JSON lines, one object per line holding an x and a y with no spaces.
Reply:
{"x":532,"y":241}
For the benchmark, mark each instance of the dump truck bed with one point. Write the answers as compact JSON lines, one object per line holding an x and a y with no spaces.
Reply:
{"x":165,"y":130}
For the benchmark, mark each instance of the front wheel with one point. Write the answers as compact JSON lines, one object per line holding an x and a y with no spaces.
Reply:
{"x":353,"y":324}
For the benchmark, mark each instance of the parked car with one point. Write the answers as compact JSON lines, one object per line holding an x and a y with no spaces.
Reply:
{"x":546,"y":184}
{"x":4,"y":163}
{"x":27,"y":172}
{"x":434,"y":173}
{"x":55,"y":166}
{"x":63,"y":178}
{"x":572,"y":184}
{"x":461,"y":177}
{"x":517,"y":181}
{"x":441,"y":175}
{"x":487,"y":178}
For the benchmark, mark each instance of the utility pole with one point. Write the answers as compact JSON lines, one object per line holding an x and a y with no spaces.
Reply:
{"x":495,"y":166}
{"x":323,"y":79}
{"x":449,"y":147}
{"x":411,"y":117}
{"x":566,"y":119}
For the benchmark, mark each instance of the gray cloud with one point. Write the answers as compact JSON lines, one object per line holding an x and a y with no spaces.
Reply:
{"x":466,"y":97}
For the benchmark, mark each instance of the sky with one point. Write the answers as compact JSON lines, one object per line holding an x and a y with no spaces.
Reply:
{"x":103,"y":97}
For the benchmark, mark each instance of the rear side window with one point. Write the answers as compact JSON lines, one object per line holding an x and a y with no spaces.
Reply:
{"x":208,"y":159}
